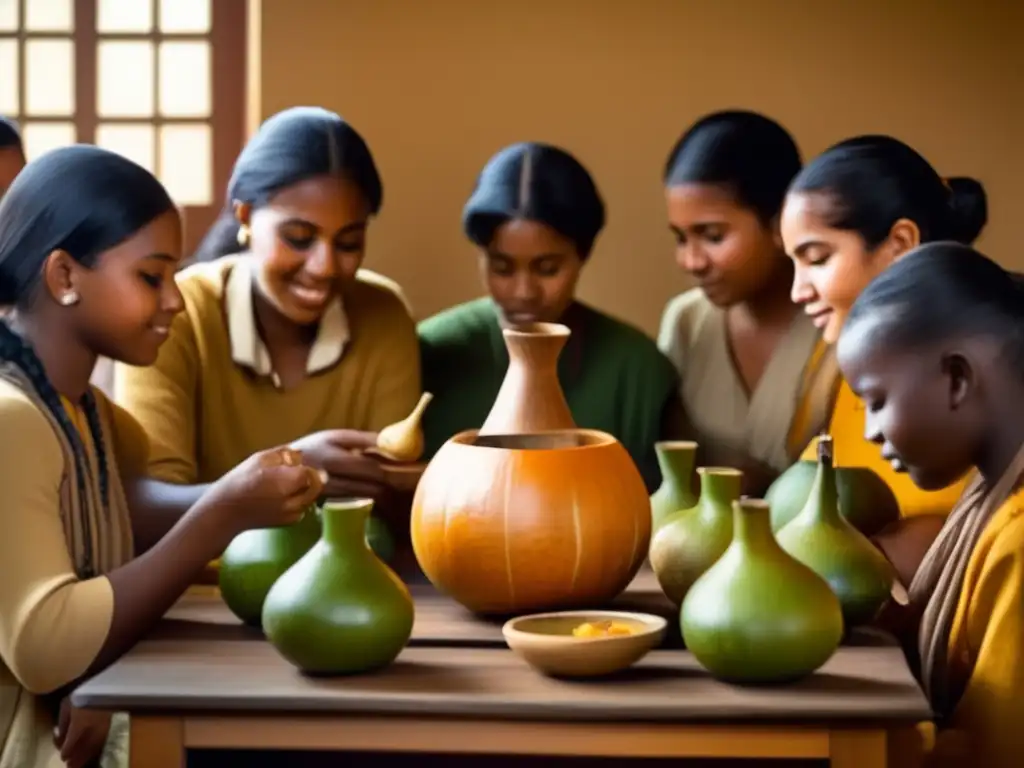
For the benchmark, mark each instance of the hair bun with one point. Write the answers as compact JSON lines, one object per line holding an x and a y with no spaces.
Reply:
{"x":969,"y":205}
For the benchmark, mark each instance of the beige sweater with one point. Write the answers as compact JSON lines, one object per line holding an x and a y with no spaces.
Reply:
{"x":53,"y":623}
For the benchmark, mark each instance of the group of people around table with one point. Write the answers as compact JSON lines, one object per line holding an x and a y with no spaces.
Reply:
{"x":840,"y":295}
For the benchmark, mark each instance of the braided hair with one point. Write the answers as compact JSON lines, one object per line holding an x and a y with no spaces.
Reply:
{"x":15,"y":350}
{"x":84,"y":201}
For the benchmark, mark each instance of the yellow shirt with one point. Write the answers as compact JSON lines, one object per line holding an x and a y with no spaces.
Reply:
{"x":852,"y":450}
{"x":52,"y":624}
{"x":211,"y":400}
{"x":986,"y":650}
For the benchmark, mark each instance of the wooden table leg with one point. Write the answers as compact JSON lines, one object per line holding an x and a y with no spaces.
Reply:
{"x":857,"y":749}
{"x":156,"y":742}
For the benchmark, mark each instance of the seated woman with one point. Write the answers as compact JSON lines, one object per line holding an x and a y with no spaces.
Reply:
{"x":933,"y":347}
{"x":288,"y":341}
{"x":89,"y":243}
{"x":535,"y":213}
{"x":850,"y":214}
{"x":756,"y":380}
{"x":12,"y":154}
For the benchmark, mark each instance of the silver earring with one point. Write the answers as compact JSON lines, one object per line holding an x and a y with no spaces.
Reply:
{"x":69,"y":299}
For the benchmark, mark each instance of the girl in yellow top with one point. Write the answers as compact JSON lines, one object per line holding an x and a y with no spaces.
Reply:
{"x":849,"y":214}
{"x":89,"y":243}
{"x":934,"y":348}
{"x":756,"y":381}
{"x":283,"y":338}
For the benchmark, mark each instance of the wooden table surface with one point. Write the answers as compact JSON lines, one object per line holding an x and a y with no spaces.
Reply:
{"x":214,"y":682}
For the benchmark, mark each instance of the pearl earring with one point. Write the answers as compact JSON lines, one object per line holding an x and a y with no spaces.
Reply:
{"x":68,"y":299}
{"x":243,"y":235}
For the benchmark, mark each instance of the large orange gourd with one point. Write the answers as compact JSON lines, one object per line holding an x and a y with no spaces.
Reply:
{"x":513,"y":520}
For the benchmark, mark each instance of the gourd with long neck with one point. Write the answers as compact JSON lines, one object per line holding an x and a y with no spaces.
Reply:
{"x":691,"y":540}
{"x":403,"y":440}
{"x":757,"y":615}
{"x":822,"y":539}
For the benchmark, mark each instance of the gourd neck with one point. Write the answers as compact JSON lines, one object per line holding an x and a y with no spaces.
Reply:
{"x":676,"y":460}
{"x":752,"y":525}
{"x":823,"y":500}
{"x":719,"y":488}
{"x":535,"y":346}
{"x":344,"y":522}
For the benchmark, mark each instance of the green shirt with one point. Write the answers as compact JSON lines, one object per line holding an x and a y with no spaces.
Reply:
{"x":614,"y":377}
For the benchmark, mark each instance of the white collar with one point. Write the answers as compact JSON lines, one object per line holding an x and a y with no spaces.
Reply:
{"x":248,"y":349}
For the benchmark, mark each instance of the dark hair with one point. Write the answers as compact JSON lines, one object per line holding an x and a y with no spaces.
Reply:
{"x":747,"y":153}
{"x":294,"y":145}
{"x":538,"y":182}
{"x":83,"y":200}
{"x":943,"y":290}
{"x":873,"y":181}
{"x":9,"y":135}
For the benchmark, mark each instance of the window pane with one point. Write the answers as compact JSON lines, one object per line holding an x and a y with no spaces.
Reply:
{"x":49,"y":77}
{"x":136,"y":142}
{"x":40,"y":138}
{"x":49,"y":16}
{"x":124,"y":16}
{"x":186,"y":160}
{"x":185,"y":79}
{"x":184,"y":15}
{"x":8,"y":77}
{"x":124,"y":85}
{"x":9,"y":15}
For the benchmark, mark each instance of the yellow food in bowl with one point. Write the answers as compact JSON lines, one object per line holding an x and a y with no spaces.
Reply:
{"x":590,"y":629}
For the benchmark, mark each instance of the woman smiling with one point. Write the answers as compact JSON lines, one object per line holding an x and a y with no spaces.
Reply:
{"x":850,"y":214}
{"x":287,"y":340}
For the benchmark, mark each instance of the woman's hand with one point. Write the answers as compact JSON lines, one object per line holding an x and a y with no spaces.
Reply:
{"x":270,"y":488}
{"x":81,"y":734}
{"x":339,"y":452}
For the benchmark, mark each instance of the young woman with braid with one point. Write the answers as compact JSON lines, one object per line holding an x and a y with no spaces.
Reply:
{"x":934,"y":347}
{"x":89,"y":243}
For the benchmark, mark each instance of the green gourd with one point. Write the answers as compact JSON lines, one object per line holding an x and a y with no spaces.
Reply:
{"x":340,"y":609}
{"x":822,"y":539}
{"x":255,"y":559}
{"x":865,"y":499}
{"x":675,"y":459}
{"x":758,"y":616}
{"x":690,"y":541}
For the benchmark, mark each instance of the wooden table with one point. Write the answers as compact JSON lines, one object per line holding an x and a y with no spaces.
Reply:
{"x":204,"y":681}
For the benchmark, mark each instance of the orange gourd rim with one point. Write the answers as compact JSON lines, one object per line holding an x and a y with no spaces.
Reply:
{"x":652,"y":624}
{"x":548,"y":440}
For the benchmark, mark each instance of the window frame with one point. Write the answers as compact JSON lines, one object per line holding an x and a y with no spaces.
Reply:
{"x":228,"y":98}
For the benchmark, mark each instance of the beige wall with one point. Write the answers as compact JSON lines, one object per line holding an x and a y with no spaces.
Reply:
{"x":437,"y":86}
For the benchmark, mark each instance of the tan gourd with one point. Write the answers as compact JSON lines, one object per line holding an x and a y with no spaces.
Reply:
{"x":403,"y":440}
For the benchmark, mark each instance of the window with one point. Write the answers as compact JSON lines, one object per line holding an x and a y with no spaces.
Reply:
{"x":139,"y":77}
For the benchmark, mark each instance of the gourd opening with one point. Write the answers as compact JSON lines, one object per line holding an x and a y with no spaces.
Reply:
{"x":555,"y":440}
{"x":676,"y":445}
{"x":537,"y":329}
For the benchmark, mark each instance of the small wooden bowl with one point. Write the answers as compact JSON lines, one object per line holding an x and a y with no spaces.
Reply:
{"x":546,"y":642}
{"x":403,"y":477}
